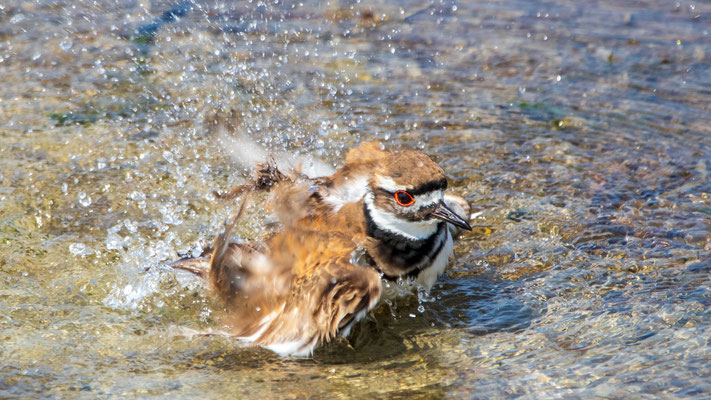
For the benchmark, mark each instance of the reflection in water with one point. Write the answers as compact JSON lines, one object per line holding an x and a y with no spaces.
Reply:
{"x":578,"y":131}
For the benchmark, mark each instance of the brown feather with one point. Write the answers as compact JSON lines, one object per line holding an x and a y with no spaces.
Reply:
{"x":300,"y":290}
{"x":367,"y":152}
{"x":199,"y":266}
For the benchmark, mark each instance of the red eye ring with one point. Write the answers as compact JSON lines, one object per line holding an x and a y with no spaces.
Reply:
{"x":404,"y":199}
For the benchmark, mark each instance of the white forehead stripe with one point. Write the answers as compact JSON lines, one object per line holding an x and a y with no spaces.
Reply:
{"x":389,"y":184}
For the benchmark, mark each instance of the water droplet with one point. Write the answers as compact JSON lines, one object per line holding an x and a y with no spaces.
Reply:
{"x":196,"y":250}
{"x":130,"y":225}
{"x":114,"y":242}
{"x":137,"y":195}
{"x":168,"y":156}
{"x":78,"y":249}
{"x":17,"y":19}
{"x":421,"y":309}
{"x":66,"y":44}
{"x":115,"y":229}
{"x":84,"y":200}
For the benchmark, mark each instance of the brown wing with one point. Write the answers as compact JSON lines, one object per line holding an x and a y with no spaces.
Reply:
{"x":199,"y":266}
{"x":347,"y":294}
{"x":349,"y":221}
{"x":328,"y":293}
{"x":245,"y":278}
{"x":266,"y":175}
{"x":226,"y":262}
{"x":301,"y":292}
{"x":291,"y":202}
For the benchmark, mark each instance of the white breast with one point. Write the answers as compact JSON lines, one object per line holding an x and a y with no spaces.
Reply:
{"x":429,"y":275}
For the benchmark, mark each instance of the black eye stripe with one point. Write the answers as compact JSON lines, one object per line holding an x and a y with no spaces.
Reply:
{"x":430,"y":186}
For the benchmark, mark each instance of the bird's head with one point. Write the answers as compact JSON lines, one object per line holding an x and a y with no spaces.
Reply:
{"x":406,"y":196}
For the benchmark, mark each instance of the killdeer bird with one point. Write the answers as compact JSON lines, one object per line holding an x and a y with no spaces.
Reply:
{"x":381,"y":216}
{"x":392,"y":204}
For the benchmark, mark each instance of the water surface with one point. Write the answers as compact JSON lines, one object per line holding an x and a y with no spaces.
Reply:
{"x":579,"y":131}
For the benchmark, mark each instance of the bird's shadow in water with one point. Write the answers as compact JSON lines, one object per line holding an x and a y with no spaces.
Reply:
{"x":381,"y":335}
{"x":484,"y":304}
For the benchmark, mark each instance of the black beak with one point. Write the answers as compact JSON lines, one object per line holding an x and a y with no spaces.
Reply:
{"x":445,"y":214}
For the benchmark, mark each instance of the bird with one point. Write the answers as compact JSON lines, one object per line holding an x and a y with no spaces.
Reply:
{"x":381,"y":216}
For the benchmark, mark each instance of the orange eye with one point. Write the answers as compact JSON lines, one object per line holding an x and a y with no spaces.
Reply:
{"x":404,"y":199}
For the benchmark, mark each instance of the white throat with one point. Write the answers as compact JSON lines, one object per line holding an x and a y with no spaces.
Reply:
{"x":412,"y":230}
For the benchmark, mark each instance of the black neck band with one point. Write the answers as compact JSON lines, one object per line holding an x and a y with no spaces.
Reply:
{"x":401,"y":253}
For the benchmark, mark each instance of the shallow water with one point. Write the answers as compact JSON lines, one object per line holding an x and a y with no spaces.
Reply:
{"x":579,"y":131}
